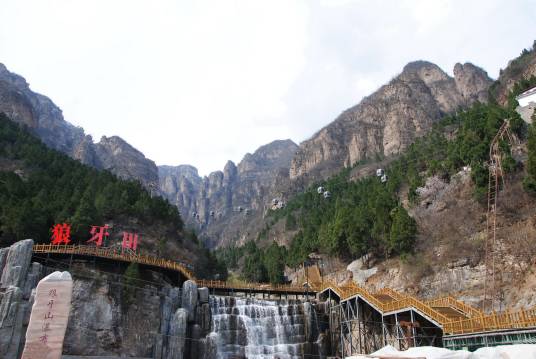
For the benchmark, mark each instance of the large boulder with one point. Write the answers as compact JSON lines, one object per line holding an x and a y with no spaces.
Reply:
{"x":189,"y":298}
{"x":177,"y":335}
{"x":360,"y":275}
{"x":170,"y":303}
{"x":3,"y":258}
{"x":16,"y":264}
{"x":204,"y":317}
{"x":203,"y":295}
{"x":34,"y":274}
{"x":11,"y":319}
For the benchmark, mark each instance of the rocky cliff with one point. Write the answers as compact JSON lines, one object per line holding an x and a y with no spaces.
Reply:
{"x":224,"y":203}
{"x":390,"y":119}
{"x":45,"y":119}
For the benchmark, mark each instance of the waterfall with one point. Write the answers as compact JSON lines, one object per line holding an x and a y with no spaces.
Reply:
{"x":261,"y":329}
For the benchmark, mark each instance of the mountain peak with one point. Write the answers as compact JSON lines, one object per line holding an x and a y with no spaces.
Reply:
{"x":472,"y":82}
{"x":419,"y":65}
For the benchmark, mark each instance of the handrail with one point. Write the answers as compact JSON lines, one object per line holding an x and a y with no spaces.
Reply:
{"x":117,"y":253}
{"x":494,"y":321}
{"x":478,"y":322}
{"x":114,"y":253}
{"x":352,"y":289}
{"x":452,"y":302}
{"x":253,"y":286}
{"x":391,"y":292}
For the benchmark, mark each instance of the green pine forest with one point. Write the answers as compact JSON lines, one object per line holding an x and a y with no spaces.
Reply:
{"x":54,"y":188}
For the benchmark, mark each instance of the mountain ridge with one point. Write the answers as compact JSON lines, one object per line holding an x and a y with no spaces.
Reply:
{"x":45,"y":119}
{"x":381,"y":124}
{"x":378,"y":125}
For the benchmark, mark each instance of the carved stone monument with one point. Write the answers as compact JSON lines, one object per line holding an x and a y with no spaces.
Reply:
{"x":48,"y":321}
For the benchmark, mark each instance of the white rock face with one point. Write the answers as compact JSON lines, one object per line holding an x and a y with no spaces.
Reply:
{"x":360,"y":275}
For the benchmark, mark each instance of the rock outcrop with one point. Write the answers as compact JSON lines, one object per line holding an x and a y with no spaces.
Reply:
{"x":116,"y":155}
{"x":220,"y":204}
{"x":521,"y":68}
{"x":388,"y":121}
{"x":18,"y":280}
{"x":177,"y":331}
{"x":45,"y":119}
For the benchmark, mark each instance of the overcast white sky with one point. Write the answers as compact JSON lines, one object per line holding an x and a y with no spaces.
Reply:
{"x":201,"y":82}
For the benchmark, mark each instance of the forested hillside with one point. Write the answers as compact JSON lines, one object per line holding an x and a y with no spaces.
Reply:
{"x":40,"y":187}
{"x":367,"y":216}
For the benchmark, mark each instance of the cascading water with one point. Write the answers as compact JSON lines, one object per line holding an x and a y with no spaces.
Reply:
{"x":261,"y":329}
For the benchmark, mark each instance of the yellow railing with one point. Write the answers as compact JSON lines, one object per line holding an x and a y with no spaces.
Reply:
{"x":478,"y":322}
{"x":403,"y":302}
{"x":494,"y":321}
{"x":282,"y":288}
{"x":392,"y":293}
{"x":119,"y":254}
{"x":456,"y":304}
{"x":114,"y":253}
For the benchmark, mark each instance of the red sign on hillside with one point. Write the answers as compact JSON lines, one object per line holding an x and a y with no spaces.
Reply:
{"x":98,"y":233}
{"x":61,"y":233}
{"x":130,"y":240}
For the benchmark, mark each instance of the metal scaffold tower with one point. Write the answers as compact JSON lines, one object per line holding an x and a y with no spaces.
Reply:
{"x":493,"y":279}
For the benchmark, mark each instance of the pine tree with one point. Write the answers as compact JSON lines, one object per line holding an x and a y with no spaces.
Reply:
{"x":403,"y":231}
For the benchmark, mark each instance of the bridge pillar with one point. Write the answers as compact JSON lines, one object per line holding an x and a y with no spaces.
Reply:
{"x":413,"y":332}
{"x":384,"y":339}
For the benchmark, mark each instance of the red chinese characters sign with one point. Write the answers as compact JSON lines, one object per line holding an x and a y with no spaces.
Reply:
{"x":130,"y":241}
{"x":98,"y":234}
{"x":61,"y":234}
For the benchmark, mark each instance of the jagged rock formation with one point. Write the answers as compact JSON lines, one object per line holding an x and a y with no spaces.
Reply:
{"x":221,"y":203}
{"x":45,"y":119}
{"x":389,"y":120}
